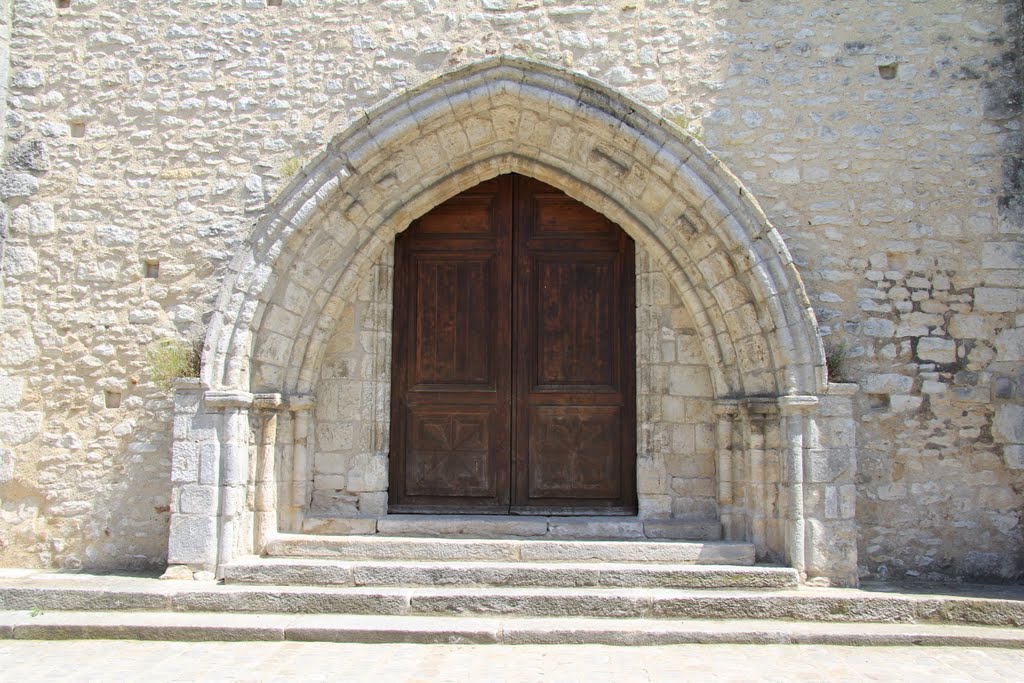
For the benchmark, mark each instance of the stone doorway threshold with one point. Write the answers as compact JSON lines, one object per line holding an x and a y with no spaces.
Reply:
{"x":516,"y":526}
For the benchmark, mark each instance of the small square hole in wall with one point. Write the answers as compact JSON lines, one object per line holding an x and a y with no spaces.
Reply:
{"x":878,"y":402}
{"x":78,"y":129}
{"x":112,"y":399}
{"x":151,"y":269}
{"x":887,"y":71}
{"x":63,"y":4}
{"x":273,"y":3}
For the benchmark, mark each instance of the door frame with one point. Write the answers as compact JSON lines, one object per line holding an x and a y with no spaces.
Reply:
{"x":515,"y":227}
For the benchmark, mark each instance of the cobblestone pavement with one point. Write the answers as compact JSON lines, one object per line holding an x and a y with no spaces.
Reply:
{"x":176,"y":661}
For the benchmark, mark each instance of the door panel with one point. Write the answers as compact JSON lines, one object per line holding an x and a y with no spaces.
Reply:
{"x":449,"y":314}
{"x":450,"y":433}
{"x":513,"y":372}
{"x":573,"y":390}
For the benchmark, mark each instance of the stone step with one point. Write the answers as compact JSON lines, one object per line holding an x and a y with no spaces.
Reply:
{"x":47,"y":591}
{"x":300,"y":571}
{"x":510,"y":550}
{"x":219,"y":626}
{"x":517,"y":526}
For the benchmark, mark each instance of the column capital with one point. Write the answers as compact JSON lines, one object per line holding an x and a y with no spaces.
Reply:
{"x":228,"y":398}
{"x":797,"y":404}
{"x":726,"y":406}
{"x":762,"y":406}
{"x":268,"y":401}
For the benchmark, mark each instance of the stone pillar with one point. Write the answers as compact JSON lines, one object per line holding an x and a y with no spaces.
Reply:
{"x":830,"y":492}
{"x":760,"y":487}
{"x":234,"y":537}
{"x":265,"y":483}
{"x":299,"y":492}
{"x":195,"y":473}
{"x":794,"y":416}
{"x":726,"y":410}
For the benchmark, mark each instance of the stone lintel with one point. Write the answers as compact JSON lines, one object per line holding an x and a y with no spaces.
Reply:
{"x":796,"y":404}
{"x":228,"y":398}
{"x":301,"y":402}
{"x":842,"y":389}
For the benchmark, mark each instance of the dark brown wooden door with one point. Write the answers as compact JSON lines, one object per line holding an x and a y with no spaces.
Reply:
{"x":513,"y":374}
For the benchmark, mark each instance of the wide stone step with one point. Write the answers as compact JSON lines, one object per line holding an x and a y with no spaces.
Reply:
{"x":511,"y":550}
{"x":517,"y":526}
{"x":279,"y":571}
{"x":220,"y":626}
{"x":47,"y":591}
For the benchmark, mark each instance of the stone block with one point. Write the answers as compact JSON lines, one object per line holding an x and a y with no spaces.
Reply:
{"x":36,"y":219}
{"x":373,"y":503}
{"x":887,"y":383}
{"x":1002,"y":255}
{"x":1008,"y":424}
{"x":185,"y":462}
{"x":209,"y":463}
{"x":830,"y":465}
{"x":878,"y":327}
{"x":10,"y":391}
{"x":195,"y":499}
{"x":654,"y":506}
{"x":1010,"y":344}
{"x":20,"y":427}
{"x":904,"y":404}
{"x":193,"y":540}
{"x":1013,"y":455}
{"x":998,"y":299}
{"x":936,"y":349}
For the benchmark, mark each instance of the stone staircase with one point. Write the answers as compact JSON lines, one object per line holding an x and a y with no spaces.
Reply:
{"x":506,"y":563}
{"x":500,"y":590}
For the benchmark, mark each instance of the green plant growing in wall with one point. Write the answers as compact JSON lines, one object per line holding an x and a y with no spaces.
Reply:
{"x":170,"y":359}
{"x":837,"y":361}
{"x":290,"y":167}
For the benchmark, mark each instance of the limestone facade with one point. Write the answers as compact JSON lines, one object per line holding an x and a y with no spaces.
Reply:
{"x":792,"y":172}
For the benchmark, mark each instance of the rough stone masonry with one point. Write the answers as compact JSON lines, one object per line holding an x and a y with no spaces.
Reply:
{"x":144,"y":141}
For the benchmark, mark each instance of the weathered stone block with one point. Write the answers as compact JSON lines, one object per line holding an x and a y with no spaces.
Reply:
{"x":1008,"y":425}
{"x":193,"y":540}
{"x":10,"y":391}
{"x":887,"y":383}
{"x":20,"y":427}
{"x":830,"y":465}
{"x":185,"y":462}
{"x":998,"y":299}
{"x":937,"y":350}
{"x":1010,"y":344}
{"x":198,"y":500}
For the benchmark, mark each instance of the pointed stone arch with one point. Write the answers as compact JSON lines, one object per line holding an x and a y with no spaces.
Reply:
{"x":508,"y":115}
{"x":279,"y":303}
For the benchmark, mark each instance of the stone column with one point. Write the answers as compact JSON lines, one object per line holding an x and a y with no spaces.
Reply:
{"x":265,"y":483}
{"x":726,"y":410}
{"x":234,"y":471}
{"x":830,"y":492}
{"x":794,"y":416}
{"x":298,"y":500}
{"x":195,"y":463}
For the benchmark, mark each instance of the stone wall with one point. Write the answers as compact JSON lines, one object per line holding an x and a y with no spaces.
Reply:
{"x":882,"y":139}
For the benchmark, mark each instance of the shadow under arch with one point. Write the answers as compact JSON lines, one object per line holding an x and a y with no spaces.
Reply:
{"x":278,"y":305}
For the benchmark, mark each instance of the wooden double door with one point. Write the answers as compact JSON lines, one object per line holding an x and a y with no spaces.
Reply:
{"x":513,"y":379}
